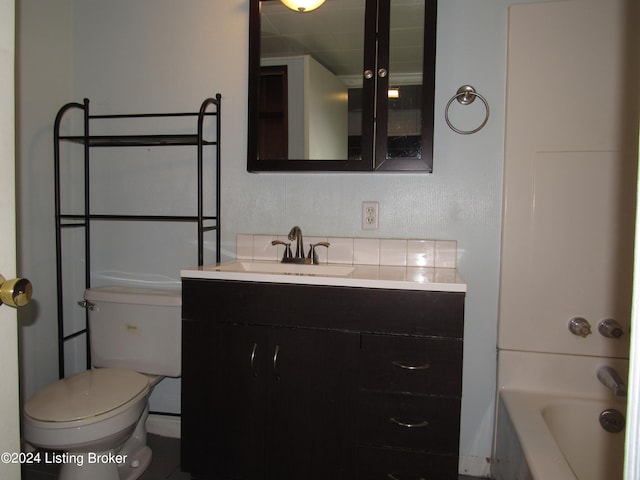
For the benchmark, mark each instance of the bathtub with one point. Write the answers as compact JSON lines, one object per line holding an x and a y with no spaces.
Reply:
{"x":550,"y":437}
{"x":548,"y":425}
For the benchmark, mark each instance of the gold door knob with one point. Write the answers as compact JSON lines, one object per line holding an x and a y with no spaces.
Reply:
{"x":15,"y":292}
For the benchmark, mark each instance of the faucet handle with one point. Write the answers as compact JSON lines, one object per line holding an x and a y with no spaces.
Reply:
{"x":580,"y":327}
{"x":312,"y":251}
{"x":610,"y":328}
{"x":287,"y":248}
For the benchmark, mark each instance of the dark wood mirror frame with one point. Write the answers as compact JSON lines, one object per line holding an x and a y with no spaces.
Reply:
{"x":374,"y":157}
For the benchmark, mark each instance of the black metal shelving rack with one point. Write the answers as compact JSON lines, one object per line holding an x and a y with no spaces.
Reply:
{"x":205,"y":223}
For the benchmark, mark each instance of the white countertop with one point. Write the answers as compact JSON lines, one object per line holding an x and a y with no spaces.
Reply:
{"x":366,"y":276}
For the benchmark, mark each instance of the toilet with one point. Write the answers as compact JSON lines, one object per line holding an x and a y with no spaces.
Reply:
{"x":93,"y":423}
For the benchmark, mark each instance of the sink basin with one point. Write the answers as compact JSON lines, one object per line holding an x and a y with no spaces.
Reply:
{"x":331,"y":274}
{"x":287,"y":268}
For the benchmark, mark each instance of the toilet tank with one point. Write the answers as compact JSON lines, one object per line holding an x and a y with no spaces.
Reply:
{"x":135,"y":328}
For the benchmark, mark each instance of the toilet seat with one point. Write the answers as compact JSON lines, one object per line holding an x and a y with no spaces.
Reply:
{"x":87,"y":395}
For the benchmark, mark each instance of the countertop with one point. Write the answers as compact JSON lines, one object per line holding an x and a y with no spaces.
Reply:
{"x":364,"y":276}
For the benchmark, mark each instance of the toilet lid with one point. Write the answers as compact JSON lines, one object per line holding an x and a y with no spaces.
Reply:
{"x":85,"y":394}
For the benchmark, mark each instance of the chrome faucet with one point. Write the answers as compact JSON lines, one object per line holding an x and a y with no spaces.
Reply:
{"x":296,"y":234}
{"x":610,"y":379}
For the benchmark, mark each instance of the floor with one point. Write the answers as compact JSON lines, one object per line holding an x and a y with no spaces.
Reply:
{"x":164,"y":466}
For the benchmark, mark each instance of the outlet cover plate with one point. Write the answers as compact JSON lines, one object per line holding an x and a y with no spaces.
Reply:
{"x":370,"y":215}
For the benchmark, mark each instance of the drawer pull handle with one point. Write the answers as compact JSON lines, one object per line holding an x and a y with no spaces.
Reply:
{"x":253,"y":358}
{"x":399,"y":364}
{"x":393,"y":476}
{"x":422,"y":424}
{"x":275,"y":363}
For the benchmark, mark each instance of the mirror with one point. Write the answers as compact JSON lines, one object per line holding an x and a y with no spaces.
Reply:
{"x":312,"y":104}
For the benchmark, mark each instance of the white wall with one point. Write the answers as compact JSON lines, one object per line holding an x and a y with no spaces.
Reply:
{"x":327,"y":113}
{"x":152,"y":55}
{"x":570,"y":176}
{"x":43,"y":84}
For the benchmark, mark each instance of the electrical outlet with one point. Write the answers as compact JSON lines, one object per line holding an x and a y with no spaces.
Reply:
{"x":369,"y":215}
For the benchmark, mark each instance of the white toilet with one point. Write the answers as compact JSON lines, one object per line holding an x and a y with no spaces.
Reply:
{"x":93,"y":423}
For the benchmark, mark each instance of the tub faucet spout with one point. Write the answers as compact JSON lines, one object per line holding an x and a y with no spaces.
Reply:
{"x":610,"y":379}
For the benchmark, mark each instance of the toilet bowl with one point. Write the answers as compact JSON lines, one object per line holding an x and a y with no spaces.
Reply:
{"x":96,"y":419}
{"x":93,"y":423}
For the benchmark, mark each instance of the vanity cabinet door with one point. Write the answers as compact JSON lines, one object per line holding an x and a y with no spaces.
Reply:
{"x":311,"y":404}
{"x":268,"y":403}
{"x":223,"y":407}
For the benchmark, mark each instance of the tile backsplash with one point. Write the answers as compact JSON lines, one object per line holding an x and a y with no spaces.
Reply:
{"x":362,"y":251}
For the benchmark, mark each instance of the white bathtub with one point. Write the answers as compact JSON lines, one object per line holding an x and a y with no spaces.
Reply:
{"x":548,"y":424}
{"x":549,"y":437}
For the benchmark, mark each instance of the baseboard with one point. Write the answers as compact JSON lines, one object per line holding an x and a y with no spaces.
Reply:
{"x":164,"y":425}
{"x":474,"y":466}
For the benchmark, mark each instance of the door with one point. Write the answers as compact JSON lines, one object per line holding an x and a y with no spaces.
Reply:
{"x":239,"y":409}
{"x":311,"y":384}
{"x":274,"y":117}
{"x":399,"y":84}
{"x":9,"y":406}
{"x":223,"y":405}
{"x":270,"y":403}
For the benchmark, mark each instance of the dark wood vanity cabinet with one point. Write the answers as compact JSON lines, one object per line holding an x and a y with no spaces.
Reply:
{"x":315,"y":382}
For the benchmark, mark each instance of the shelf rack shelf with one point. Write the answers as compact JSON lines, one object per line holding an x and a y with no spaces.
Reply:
{"x":210,"y":107}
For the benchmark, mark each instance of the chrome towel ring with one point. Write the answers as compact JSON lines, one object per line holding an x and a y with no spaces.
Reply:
{"x":466,"y":95}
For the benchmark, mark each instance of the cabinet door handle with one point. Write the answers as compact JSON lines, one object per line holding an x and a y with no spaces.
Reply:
{"x":275,"y":362}
{"x":253,"y":358}
{"x":399,"y":364}
{"x":422,"y":424}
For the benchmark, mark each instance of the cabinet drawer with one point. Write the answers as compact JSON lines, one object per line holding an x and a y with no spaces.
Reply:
{"x":411,"y":364}
{"x":389,"y":464}
{"x":402,"y":312}
{"x":428,"y":424}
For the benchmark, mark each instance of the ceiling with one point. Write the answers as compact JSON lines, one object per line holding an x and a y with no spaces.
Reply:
{"x":334,"y":35}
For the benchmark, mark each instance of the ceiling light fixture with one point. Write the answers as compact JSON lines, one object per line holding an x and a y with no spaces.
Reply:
{"x":302,"y":5}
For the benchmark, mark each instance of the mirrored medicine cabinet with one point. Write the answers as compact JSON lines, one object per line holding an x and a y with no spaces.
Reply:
{"x":346,"y":87}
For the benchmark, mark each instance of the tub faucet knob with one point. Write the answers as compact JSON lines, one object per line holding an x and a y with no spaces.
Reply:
{"x":580,"y":327}
{"x":610,"y":328}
